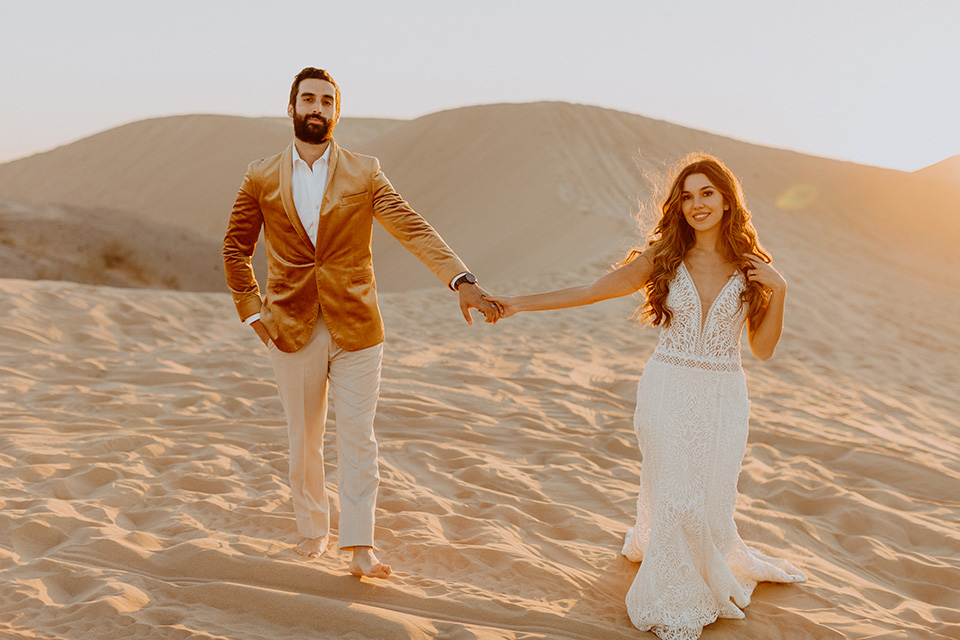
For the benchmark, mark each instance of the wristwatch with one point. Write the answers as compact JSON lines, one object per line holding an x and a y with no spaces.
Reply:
{"x":467,"y":277}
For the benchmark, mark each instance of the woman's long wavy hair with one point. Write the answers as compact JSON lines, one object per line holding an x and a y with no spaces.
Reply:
{"x":672,"y":238}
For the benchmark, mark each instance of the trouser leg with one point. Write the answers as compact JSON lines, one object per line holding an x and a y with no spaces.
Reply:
{"x":355,"y":388}
{"x":302,"y":382}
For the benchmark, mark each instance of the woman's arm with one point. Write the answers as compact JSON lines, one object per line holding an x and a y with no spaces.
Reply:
{"x":765,"y":335}
{"x":620,"y":282}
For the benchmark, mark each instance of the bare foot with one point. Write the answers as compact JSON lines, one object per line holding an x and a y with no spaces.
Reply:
{"x":312,"y":547}
{"x":365,"y":563}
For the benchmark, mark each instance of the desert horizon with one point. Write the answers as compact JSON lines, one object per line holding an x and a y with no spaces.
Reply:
{"x":104,"y":181}
{"x":143,"y":448}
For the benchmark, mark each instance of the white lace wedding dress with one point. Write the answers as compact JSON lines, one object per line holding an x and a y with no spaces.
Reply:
{"x":691,"y":422}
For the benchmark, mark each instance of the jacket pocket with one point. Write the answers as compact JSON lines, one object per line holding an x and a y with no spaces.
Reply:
{"x":287,"y":263}
{"x":354,"y":198}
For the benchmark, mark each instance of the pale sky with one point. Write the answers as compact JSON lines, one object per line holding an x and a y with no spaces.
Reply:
{"x":872,"y":81}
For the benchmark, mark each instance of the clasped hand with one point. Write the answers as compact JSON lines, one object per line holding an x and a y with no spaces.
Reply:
{"x":473,"y":297}
{"x":493,"y":308}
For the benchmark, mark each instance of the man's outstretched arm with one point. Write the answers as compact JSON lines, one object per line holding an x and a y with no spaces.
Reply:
{"x":422,"y":240}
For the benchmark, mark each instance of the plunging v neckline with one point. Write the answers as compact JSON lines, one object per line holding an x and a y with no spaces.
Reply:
{"x":704,"y":316}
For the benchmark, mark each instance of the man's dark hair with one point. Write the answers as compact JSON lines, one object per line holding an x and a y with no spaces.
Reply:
{"x":313,"y":72}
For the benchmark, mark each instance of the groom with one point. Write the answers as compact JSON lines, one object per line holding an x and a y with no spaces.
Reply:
{"x":319,"y":317}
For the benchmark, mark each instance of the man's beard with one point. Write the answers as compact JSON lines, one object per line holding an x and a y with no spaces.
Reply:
{"x":309,"y":130}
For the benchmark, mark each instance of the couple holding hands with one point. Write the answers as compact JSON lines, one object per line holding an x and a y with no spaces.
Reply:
{"x":704,"y":276}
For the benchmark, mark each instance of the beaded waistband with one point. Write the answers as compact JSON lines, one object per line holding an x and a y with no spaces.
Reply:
{"x":720,"y":365}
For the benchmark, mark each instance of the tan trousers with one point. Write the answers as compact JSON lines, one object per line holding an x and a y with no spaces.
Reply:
{"x":354,"y":382}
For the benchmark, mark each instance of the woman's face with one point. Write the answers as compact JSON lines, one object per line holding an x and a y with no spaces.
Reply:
{"x":701,"y":202}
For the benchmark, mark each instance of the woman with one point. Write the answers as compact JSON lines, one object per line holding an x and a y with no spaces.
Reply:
{"x":704,"y":274}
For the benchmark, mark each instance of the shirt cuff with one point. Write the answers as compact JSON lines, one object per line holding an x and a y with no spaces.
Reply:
{"x":454,"y":279}
{"x":252,"y":319}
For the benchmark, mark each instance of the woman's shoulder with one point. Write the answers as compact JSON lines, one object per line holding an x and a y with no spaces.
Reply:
{"x":639,"y":256}
{"x":639,"y":265}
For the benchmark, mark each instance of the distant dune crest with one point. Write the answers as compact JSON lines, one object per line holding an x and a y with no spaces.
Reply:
{"x":520,"y":189}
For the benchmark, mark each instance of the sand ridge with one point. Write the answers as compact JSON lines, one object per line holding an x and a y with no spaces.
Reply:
{"x":143,"y":462}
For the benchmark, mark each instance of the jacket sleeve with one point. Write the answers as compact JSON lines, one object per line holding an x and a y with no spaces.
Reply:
{"x":412,"y":231}
{"x":243,"y":230}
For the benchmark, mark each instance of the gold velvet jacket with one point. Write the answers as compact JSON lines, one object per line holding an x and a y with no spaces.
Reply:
{"x":335,"y":277}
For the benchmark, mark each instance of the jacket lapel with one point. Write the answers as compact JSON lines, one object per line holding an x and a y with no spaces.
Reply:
{"x":286,"y":194}
{"x":330,"y":199}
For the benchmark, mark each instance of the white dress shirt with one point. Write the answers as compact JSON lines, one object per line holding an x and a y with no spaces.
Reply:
{"x":308,"y":184}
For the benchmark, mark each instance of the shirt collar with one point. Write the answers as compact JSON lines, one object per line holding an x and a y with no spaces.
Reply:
{"x":325,"y":158}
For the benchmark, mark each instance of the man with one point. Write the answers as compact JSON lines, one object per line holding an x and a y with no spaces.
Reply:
{"x":319,"y":317}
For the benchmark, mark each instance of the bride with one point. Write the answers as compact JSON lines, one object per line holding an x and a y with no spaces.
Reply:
{"x":704,"y":275}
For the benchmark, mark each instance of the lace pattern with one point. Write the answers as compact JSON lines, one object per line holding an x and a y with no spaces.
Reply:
{"x":711,"y":343}
{"x":691,"y":423}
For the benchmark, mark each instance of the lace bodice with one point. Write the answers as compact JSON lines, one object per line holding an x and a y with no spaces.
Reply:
{"x":710,"y":343}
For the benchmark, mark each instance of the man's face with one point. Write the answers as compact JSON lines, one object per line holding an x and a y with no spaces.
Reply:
{"x":314,"y":113}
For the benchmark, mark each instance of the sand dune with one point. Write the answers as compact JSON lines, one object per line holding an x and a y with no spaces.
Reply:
{"x":92,"y":246}
{"x":947,"y":170}
{"x":127,"y":187}
{"x":491,"y":179}
{"x":180,"y":170}
{"x":143,"y":449}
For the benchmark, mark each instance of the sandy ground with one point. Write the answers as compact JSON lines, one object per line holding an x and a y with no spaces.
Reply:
{"x":143,"y":449}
